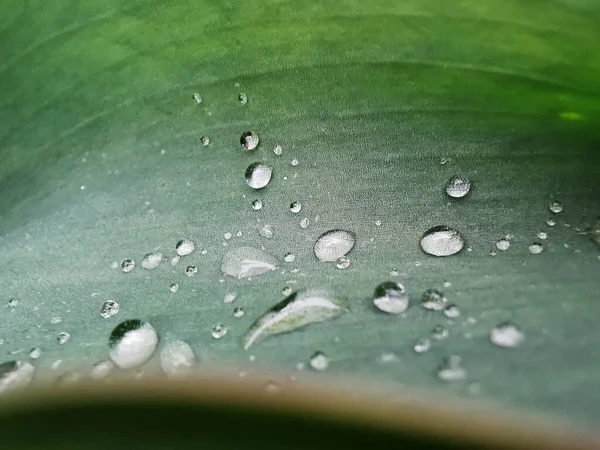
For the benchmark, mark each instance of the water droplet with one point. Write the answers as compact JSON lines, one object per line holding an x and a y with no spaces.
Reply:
{"x":286,"y":291}
{"x":378,"y":223}
{"x":243,"y":98}
{"x":434,"y":300}
{"x":229,"y":298}
{"x":333,"y":244}
{"x":184,"y":247}
{"x":13,"y":302}
{"x":247,"y":262}
{"x":295,"y":311}
{"x":444,"y":161}
{"x":492,"y":252}
{"x":289,"y":257}
{"x":258,"y":175}
{"x":63,"y":337}
{"x":394,"y":273}
{"x":15,"y":375}
{"x":442,"y":241}
{"x":152,"y":260}
{"x":294,"y":162}
{"x":109,"y":308}
{"x":190,"y":271}
{"x":390,"y":297}
{"x":319,"y":361}
{"x":197,"y":98}
{"x":35,"y":353}
{"x":249,"y":140}
{"x":458,"y":187}
{"x":219,"y":330}
{"x":536,"y":248}
{"x":227,"y":236}
{"x":257,"y":204}
{"x":238,"y":312}
{"x":278,"y":150}
{"x":304,"y":223}
{"x":295,"y":207}
{"x":102,"y":369}
{"x":342,"y":262}
{"x":555,"y":207}
{"x":503,"y":244}
{"x":177,"y":359}
{"x":174,"y":287}
{"x":205,"y":140}
{"x":439,"y":333}
{"x":452,"y":311}
{"x":132,"y":343}
{"x":127,"y":265}
{"x":452,"y":369}
{"x":550,"y":222}
{"x":239,"y":234}
{"x":542,"y":235}
{"x":175,"y":260}
{"x":422,"y":345}
{"x":507,"y":335}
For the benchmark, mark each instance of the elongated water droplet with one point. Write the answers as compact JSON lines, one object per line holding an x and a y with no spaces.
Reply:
{"x":257,"y":204}
{"x":507,"y":335}
{"x":249,"y":140}
{"x":247,"y":262}
{"x":177,"y":359}
{"x":15,"y":375}
{"x":390,"y":297}
{"x":102,"y":369}
{"x":334,"y":244}
{"x":555,"y":207}
{"x":458,"y":187}
{"x":503,"y":244}
{"x":536,"y":248}
{"x":132,"y":343}
{"x":63,"y":337}
{"x":422,"y":345}
{"x":243,"y":98}
{"x":258,"y":175}
{"x":297,"y":310}
{"x":127,"y":265}
{"x":219,"y":330}
{"x":442,"y":241}
{"x":152,"y":260}
{"x":452,"y":369}
{"x":295,"y":207}
{"x":434,"y":300}
{"x":184,"y":247}
{"x":109,"y":308}
{"x":319,"y":361}
{"x":342,"y":262}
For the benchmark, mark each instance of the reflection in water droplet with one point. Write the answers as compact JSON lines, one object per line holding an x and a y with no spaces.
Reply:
{"x":266,"y":231}
{"x":102,"y":369}
{"x":109,"y":308}
{"x":197,"y":98}
{"x":319,"y":361}
{"x":238,"y":312}
{"x":258,"y":175}
{"x":507,"y":335}
{"x":184,"y":247}
{"x":442,"y":241}
{"x":295,"y":207}
{"x":304,"y":223}
{"x":152,"y":260}
{"x":550,"y":222}
{"x":295,"y":311}
{"x":243,"y":98}
{"x":127,"y":265}
{"x":542,"y":235}
{"x":342,"y":262}
{"x":219,"y":330}
{"x":422,"y":345}
{"x":439,"y":333}
{"x":174,"y":287}
{"x":177,"y":359}
{"x":458,"y":187}
{"x":452,"y":369}
{"x":452,"y":311}
{"x":433,"y":299}
{"x":334,"y":244}
{"x":35,"y":353}
{"x":555,"y":207}
{"x":190,"y":271}
{"x":15,"y":375}
{"x":247,"y":262}
{"x":249,"y":140}
{"x":278,"y":150}
{"x":132,"y":343}
{"x":390,"y":297}
{"x":536,"y":248}
{"x":289,"y":257}
{"x":63,"y":337}
{"x":205,"y":140}
{"x":503,"y":244}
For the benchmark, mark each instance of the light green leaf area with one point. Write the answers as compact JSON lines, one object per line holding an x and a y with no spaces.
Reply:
{"x":102,"y":160}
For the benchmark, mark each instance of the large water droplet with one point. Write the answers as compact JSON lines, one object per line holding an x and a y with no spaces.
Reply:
{"x":442,"y":241}
{"x":258,"y":175}
{"x":458,"y":187}
{"x":536,"y":248}
{"x":434,"y":300}
{"x":334,"y":244}
{"x":247,"y":262}
{"x":109,"y":308}
{"x":132,"y":343}
{"x":152,"y":260}
{"x":319,"y":361}
{"x":184,"y":247}
{"x":102,"y":369}
{"x":15,"y":375}
{"x":297,"y":310}
{"x":177,"y":359}
{"x":249,"y":140}
{"x":127,"y":265}
{"x":452,"y":369}
{"x":390,"y":297}
{"x":507,"y":335}
{"x":555,"y":207}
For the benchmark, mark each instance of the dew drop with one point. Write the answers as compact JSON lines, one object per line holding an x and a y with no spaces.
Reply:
{"x":503,"y":244}
{"x":243,"y":98}
{"x":452,"y":311}
{"x":319,"y":361}
{"x":257,"y":204}
{"x":536,"y":248}
{"x":132,"y":343}
{"x":152,"y":260}
{"x":197,"y":98}
{"x":127,"y":265}
{"x":422,"y":345}
{"x":442,"y":241}
{"x":177,"y":359}
{"x":304,"y":223}
{"x":102,"y":369}
{"x":184,"y":247}
{"x":266,"y":231}
{"x":550,"y":222}
{"x":174,"y":287}
{"x":35,"y":353}
{"x":205,"y":140}
{"x":439,"y":333}
{"x":258,"y":175}
{"x":507,"y":335}
{"x":190,"y":271}
{"x":451,"y":369}
{"x":15,"y":375}
{"x":289,"y":257}
{"x":434,"y":300}
{"x":249,"y":140}
{"x":294,"y":162}
{"x":295,"y":207}
{"x":542,"y":235}
{"x":390,"y":297}
{"x":555,"y":207}
{"x":342,"y":262}
{"x":63,"y":337}
{"x":109,"y":308}
{"x":458,"y":187}
{"x":286,"y":291}
{"x":238,"y":312}
{"x":219,"y":330}
{"x":334,"y":244}
{"x":278,"y":150}
{"x":247,"y":262}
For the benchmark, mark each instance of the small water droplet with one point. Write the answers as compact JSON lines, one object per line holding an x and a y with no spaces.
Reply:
{"x":555,"y":207}
{"x":458,"y":187}
{"x":334,"y":244}
{"x":152,"y":260}
{"x":452,"y":311}
{"x":342,"y":262}
{"x":319,"y":361}
{"x":536,"y":248}
{"x":390,"y":297}
{"x":219,"y":330}
{"x":289,"y":257}
{"x":127,"y":265}
{"x":434,"y":300}
{"x":304,"y":223}
{"x":229,"y":297}
{"x":294,"y":162}
{"x":451,"y":369}
{"x":243,"y":98}
{"x":132,"y":343}
{"x":258,"y":175}
{"x":102,"y":369}
{"x":197,"y":98}
{"x":15,"y":375}
{"x":447,"y":284}
{"x":439,"y":333}
{"x":13,"y":302}
{"x":63,"y":337}
{"x":257,"y":204}
{"x":444,"y":161}
{"x":175,"y":260}
{"x":286,"y":291}
{"x":507,"y":335}
{"x":247,"y":262}
{"x":174,"y":287}
{"x":35,"y":353}
{"x":394,"y":273}
{"x":266,"y":231}
{"x":492,"y":252}
{"x":378,"y":223}
{"x":184,"y":247}
{"x":249,"y":140}
{"x":387,"y":358}
{"x":422,"y":345}
{"x":177,"y":359}
{"x":442,"y":241}
{"x":205,"y":140}
{"x":278,"y":150}
{"x":227,"y":236}
{"x":550,"y":222}
{"x":55,"y":320}
{"x":542,"y":235}
{"x":190,"y":271}
{"x":295,"y":207}
{"x":238,"y":312}
{"x":109,"y":308}
{"x":503,"y":244}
